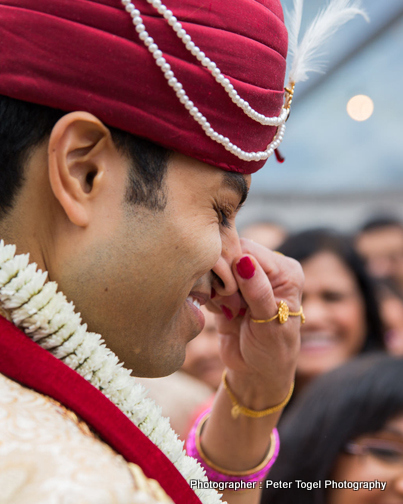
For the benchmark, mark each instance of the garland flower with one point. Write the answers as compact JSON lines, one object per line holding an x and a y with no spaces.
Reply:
{"x":45,"y":315}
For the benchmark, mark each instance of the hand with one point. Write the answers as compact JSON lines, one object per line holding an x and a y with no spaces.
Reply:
{"x":261,"y":358}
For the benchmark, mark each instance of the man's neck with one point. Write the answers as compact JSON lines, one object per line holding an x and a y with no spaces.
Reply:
{"x":13,"y":232}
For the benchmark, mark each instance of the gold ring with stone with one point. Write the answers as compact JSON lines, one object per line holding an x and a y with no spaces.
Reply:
{"x":282,"y":315}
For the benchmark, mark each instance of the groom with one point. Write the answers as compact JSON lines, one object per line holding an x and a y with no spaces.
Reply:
{"x":125,"y":190}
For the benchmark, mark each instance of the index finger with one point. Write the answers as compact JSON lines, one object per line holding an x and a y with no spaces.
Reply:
{"x":255,"y":287}
{"x":283,"y":272}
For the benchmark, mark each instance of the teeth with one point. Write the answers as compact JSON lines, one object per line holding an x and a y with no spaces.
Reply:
{"x":316,"y":344}
{"x":194,"y":301}
{"x":317,"y":340}
{"x":316,"y":337}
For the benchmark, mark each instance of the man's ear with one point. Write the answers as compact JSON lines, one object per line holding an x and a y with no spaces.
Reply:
{"x":79,"y":150}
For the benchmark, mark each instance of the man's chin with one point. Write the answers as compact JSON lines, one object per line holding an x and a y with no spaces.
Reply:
{"x":157,"y":367}
{"x":157,"y":372}
{"x":164,"y":346}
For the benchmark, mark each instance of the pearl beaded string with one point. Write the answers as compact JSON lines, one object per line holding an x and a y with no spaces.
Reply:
{"x":219,"y":77}
{"x":214,"y":70}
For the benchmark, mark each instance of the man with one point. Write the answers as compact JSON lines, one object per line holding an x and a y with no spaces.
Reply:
{"x":380,"y":242}
{"x":138,"y":233}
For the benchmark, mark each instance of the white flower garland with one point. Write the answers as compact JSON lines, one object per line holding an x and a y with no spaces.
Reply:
{"x":49,"y":319}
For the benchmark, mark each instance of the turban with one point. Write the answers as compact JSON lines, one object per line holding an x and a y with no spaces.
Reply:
{"x":87,"y":55}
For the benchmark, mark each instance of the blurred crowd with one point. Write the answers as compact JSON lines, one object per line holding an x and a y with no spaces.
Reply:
{"x":345,"y":420}
{"x":344,"y":426}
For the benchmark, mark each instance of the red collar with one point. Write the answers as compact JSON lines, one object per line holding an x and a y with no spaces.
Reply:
{"x":26,"y":362}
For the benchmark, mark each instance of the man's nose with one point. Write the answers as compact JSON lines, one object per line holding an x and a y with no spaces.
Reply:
{"x":224,"y":282}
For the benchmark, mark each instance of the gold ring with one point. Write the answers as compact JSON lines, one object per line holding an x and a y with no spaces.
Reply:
{"x":282,"y":314}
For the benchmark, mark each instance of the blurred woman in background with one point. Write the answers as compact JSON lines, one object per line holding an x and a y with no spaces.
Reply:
{"x":339,"y":300}
{"x":347,"y":426}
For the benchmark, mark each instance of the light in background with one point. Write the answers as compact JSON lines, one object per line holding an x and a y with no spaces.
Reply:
{"x":360,"y":107}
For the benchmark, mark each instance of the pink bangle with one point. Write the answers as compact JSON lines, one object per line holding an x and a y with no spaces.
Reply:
{"x":215,"y":473}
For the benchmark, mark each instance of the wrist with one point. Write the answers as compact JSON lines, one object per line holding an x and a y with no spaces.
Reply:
{"x":256,"y":392}
{"x":220,"y":474}
{"x":240,"y":409}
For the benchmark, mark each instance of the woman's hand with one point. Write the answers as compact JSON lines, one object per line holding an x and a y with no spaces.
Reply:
{"x":261,"y":358}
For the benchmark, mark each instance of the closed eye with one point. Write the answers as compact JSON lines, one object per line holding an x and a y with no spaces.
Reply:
{"x":224,"y":217}
{"x":226,"y":212}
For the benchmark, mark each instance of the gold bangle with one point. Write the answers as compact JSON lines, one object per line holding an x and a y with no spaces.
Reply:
{"x":226,"y":472}
{"x":282,"y":314}
{"x":237,"y":409}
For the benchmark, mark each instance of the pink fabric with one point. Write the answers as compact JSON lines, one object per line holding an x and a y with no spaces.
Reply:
{"x":86,"y":55}
{"x":213,"y":475}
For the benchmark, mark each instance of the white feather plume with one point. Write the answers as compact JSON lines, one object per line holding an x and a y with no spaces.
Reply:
{"x":294,"y":24}
{"x":305,"y":53}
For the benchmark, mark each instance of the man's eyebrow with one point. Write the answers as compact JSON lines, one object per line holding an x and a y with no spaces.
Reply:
{"x":237,"y":182}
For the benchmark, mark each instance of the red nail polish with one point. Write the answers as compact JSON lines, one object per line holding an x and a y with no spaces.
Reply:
{"x":245,"y":268}
{"x":242,"y":312}
{"x":213,"y":293}
{"x":227,"y":312}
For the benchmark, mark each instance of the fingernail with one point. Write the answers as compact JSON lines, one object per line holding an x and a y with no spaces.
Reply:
{"x":242,"y":312}
{"x":227,"y":312}
{"x":213,"y":293}
{"x":245,"y":268}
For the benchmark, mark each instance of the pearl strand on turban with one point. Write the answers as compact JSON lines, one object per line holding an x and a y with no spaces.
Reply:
{"x":219,"y":77}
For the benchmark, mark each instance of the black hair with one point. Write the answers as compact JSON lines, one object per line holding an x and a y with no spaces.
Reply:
{"x":303,"y":245}
{"x":355,"y":399}
{"x":25,"y":125}
{"x":380,"y":222}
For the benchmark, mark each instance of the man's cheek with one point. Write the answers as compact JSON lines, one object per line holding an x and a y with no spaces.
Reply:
{"x":205,"y":255}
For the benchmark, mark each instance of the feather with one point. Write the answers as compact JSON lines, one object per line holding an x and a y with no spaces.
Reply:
{"x":294,"y":25}
{"x":326,"y":23}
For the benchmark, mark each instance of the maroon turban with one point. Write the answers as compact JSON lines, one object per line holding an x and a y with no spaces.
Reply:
{"x":87,"y":55}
